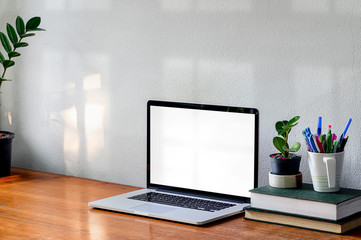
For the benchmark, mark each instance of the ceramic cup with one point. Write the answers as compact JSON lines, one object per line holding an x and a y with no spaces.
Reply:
{"x":326,"y":169}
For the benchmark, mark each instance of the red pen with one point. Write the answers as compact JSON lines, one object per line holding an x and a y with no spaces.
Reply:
{"x":319,"y":144}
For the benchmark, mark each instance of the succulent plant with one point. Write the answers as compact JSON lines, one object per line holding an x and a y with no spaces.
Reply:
{"x":16,"y":39}
{"x":283,"y":129}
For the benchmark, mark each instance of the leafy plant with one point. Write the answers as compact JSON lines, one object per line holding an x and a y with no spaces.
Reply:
{"x":283,"y":129}
{"x":16,"y":39}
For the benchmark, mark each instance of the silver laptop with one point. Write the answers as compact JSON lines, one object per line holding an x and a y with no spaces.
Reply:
{"x":202,"y":160}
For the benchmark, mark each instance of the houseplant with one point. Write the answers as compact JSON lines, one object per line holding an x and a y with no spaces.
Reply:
{"x":285,"y":162}
{"x":11,"y":42}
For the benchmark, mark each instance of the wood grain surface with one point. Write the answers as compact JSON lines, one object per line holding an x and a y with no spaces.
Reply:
{"x":38,"y":205}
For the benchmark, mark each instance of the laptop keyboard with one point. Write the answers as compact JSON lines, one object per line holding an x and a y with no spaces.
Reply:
{"x":180,"y":201}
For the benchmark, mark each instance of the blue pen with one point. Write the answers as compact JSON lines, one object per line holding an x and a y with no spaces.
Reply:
{"x":319,"y":128}
{"x":346,"y":128}
{"x":307,"y":143}
{"x":344,"y":134}
{"x":312,"y":143}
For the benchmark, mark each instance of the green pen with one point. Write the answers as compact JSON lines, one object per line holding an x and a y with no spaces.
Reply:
{"x":329,"y":140}
{"x":335,"y":146}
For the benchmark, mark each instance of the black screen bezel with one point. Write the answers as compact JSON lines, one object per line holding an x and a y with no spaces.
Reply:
{"x":209,"y":108}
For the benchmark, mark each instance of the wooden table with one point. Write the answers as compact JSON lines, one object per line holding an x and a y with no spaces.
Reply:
{"x":38,"y":205}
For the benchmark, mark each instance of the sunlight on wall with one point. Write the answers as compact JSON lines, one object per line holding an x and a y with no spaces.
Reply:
{"x":9,"y":118}
{"x":71,"y":141}
{"x":94,"y":128}
{"x":71,"y":136}
{"x":92,"y":82}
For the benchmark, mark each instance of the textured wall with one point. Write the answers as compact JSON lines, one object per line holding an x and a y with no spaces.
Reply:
{"x":78,"y":97}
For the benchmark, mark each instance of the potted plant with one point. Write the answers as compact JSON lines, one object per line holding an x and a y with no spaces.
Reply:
{"x":285,"y":162}
{"x":11,"y":42}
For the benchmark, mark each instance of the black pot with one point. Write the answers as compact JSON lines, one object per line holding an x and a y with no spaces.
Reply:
{"x":288,"y":166}
{"x":5,"y":153}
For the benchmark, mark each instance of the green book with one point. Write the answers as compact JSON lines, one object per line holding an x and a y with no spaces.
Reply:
{"x":341,"y":226}
{"x":307,"y":202}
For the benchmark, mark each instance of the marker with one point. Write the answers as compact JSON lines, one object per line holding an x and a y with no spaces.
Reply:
{"x":319,"y":128}
{"x":334,"y":137}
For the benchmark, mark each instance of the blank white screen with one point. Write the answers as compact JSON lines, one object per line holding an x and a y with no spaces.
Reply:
{"x":203,"y":150}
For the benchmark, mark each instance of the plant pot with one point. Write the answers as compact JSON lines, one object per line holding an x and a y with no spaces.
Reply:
{"x":288,"y":166}
{"x":5,"y":152}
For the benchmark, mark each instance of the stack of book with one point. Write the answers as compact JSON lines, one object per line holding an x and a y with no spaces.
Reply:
{"x":338,"y":212}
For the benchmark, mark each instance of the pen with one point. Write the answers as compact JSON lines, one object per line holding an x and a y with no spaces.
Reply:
{"x":329,"y":140}
{"x":342,"y":147}
{"x":319,"y":144}
{"x":316,"y":144}
{"x":335,"y":143}
{"x":319,"y":128}
{"x":309,"y":137}
{"x":346,"y":128}
{"x":307,"y":143}
{"x":339,"y":142}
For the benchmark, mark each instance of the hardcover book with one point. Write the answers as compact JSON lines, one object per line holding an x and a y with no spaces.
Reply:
{"x":341,"y":226}
{"x":307,"y":202}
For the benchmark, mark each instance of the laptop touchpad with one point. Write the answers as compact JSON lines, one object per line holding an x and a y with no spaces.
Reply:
{"x":151,"y":208}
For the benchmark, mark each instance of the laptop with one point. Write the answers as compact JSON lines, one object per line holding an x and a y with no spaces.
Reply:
{"x":202,"y":160}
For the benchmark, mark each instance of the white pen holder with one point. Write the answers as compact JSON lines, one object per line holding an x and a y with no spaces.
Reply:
{"x":326,"y":169}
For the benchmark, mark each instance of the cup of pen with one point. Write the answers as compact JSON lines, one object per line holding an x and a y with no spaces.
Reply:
{"x":325,"y":157}
{"x":326,"y":170}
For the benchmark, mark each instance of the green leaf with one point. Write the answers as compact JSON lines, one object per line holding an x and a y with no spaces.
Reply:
{"x":2,"y":58}
{"x":20,"y":26}
{"x":294,"y":148}
{"x":27,"y":35}
{"x":279,"y":143}
{"x":33,"y":23}
{"x":279,"y":128}
{"x":20,"y":44}
{"x":37,"y":29}
{"x":11,"y":33}
{"x":13,"y":54}
{"x":293,"y":120}
{"x":3,"y":79}
{"x":288,"y":127}
{"x":5,"y":42}
{"x":8,"y":63}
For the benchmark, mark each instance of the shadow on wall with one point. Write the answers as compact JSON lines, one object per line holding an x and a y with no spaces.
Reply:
{"x":104,"y":59}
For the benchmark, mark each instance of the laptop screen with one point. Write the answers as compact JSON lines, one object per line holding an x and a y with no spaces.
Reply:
{"x":203,"y":147}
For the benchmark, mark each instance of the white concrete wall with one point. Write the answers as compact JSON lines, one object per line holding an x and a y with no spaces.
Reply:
{"x":78,"y":97}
